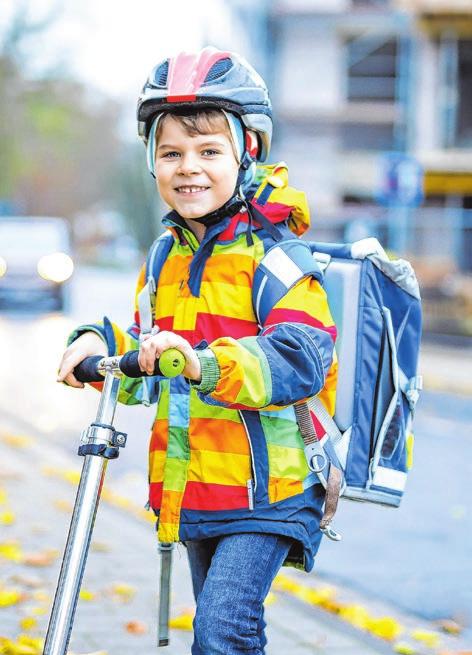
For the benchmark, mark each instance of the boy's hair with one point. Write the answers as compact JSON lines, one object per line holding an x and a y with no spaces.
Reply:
{"x":201,"y":121}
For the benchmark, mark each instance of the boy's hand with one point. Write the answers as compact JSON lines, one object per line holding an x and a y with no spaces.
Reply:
{"x":86,"y":345}
{"x":153,"y":346}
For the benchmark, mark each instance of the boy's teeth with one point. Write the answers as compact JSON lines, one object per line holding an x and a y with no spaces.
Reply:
{"x":191,"y":189}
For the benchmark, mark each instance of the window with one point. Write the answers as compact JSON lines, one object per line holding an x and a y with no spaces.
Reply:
{"x":371,"y":79}
{"x":372,"y":64}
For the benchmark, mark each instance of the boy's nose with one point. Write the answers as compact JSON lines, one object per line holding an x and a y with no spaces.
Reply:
{"x":189,"y":164}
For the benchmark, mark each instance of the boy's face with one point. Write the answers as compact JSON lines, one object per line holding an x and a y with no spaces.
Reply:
{"x":195,"y":174}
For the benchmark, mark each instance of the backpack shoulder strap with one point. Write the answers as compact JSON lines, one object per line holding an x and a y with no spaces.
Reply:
{"x":156,"y":257}
{"x":282,"y":266}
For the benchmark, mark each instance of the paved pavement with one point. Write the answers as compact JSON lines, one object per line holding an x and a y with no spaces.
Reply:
{"x":117,"y":611}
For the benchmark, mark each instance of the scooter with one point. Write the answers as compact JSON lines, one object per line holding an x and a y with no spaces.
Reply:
{"x":101,"y":442}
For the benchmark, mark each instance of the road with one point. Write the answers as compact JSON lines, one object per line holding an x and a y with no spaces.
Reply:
{"x":417,"y":557}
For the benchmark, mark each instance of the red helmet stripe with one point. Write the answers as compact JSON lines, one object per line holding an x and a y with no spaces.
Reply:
{"x":181,"y":98}
{"x":188,"y":71}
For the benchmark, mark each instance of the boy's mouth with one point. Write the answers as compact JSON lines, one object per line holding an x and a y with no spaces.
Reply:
{"x":188,"y":189}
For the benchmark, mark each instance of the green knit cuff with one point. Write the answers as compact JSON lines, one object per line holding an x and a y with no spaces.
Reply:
{"x":82,"y":329}
{"x":210,"y":371}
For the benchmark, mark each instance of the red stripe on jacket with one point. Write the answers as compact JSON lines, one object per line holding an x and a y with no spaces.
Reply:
{"x":205,"y":496}
{"x":211,"y":326}
{"x":297,"y":316}
{"x":155,"y":494}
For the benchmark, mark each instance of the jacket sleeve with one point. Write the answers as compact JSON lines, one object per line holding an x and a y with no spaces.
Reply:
{"x":132,"y":390}
{"x":292,"y":358}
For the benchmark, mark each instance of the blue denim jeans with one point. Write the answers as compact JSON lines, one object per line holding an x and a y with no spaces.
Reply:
{"x":231,"y":576}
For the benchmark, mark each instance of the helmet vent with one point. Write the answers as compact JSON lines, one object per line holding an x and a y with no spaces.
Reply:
{"x":218,"y":69}
{"x":160,"y":74}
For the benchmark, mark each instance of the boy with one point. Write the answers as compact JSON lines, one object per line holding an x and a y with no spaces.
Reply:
{"x":228,"y":475}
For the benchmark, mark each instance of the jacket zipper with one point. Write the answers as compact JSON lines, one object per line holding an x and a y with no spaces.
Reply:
{"x":251,"y":484}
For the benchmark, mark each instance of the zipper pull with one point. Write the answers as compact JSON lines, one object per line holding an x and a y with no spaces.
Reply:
{"x":250,"y":494}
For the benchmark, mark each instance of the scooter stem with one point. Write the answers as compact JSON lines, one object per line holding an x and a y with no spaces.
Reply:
{"x":81,"y":527}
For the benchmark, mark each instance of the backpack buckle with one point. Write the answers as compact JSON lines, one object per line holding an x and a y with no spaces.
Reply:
{"x":316,"y":457}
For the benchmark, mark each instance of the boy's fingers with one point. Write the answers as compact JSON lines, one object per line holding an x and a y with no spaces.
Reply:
{"x":66,"y":368}
{"x":147,"y":356}
{"x":72,"y":381}
{"x":152,"y":348}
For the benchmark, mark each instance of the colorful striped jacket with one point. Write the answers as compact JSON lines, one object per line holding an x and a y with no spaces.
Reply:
{"x":226,"y":455}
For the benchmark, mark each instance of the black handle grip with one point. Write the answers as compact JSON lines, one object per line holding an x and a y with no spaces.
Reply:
{"x":130,"y":367}
{"x":87,"y":371}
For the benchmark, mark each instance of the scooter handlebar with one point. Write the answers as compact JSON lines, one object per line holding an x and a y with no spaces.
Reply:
{"x":170,"y":364}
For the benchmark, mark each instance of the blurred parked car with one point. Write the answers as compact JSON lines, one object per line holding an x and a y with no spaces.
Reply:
{"x":35,"y":262}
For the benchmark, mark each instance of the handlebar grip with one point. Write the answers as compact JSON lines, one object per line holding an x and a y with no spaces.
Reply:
{"x":172,"y":362}
{"x":130,"y":367}
{"x":86,"y":371}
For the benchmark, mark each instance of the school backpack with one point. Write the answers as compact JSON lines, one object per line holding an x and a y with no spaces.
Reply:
{"x":375,"y":303}
{"x":364,"y":452}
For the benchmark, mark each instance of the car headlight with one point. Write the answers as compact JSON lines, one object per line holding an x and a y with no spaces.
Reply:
{"x":3,"y":267}
{"x":57,"y":267}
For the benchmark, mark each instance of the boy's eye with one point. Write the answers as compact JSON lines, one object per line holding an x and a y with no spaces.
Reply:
{"x":211,"y":151}
{"x":171,"y":154}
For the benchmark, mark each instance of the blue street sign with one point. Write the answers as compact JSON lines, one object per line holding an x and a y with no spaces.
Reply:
{"x":401,"y":180}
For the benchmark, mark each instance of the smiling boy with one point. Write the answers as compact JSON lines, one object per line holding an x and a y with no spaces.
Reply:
{"x":228,"y":475}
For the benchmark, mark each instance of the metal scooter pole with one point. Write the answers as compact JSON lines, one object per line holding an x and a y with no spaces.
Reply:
{"x":100,"y":435}
{"x":100,"y":442}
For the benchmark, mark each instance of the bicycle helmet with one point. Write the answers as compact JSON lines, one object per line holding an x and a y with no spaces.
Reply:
{"x":210,"y":79}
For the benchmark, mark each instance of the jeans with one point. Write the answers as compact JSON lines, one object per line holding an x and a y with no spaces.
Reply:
{"x":231,"y":576}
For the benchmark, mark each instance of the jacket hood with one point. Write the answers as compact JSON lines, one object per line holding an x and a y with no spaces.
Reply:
{"x":278,"y":201}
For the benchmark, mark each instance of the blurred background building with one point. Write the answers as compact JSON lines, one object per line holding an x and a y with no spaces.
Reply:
{"x":373,"y":107}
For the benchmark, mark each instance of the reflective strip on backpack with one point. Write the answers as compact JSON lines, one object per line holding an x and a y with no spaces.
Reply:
{"x":389,"y":478}
{"x":280,"y":269}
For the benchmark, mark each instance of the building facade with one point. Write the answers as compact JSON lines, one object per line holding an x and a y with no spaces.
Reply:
{"x":355,"y":80}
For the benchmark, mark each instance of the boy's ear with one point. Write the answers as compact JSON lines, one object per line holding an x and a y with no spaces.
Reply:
{"x":252,"y":144}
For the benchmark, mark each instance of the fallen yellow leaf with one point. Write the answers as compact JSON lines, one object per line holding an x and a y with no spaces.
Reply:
{"x":404,"y":648}
{"x":25,"y":645}
{"x":270,"y":599}
{"x":28,"y":623}
{"x":431,"y":639}
{"x":72,"y":476}
{"x":10,"y":597}
{"x":7,"y":517}
{"x":11,"y":550}
{"x":123,"y":592}
{"x":85,"y":594}
{"x":3,"y":496}
{"x":385,"y":627}
{"x":182,"y":622}
{"x":355,"y":615}
{"x":100,"y":547}
{"x":16,"y":440}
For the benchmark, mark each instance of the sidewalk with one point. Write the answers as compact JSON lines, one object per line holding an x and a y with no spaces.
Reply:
{"x":117,"y":611}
